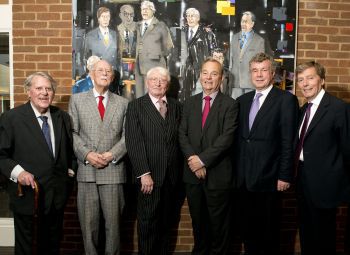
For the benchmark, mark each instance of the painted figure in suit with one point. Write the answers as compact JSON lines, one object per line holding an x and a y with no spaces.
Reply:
{"x":153,"y":45}
{"x":323,"y":161}
{"x":127,"y":32}
{"x":99,"y":144}
{"x":86,"y":83}
{"x":267,"y":125}
{"x":102,"y":41}
{"x":197,"y":44}
{"x":152,"y":123}
{"x":227,"y":77}
{"x":36,"y":144}
{"x":206,"y":141}
{"x":243,"y":46}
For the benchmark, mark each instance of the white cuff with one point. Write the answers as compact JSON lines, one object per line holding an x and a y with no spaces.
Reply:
{"x":15,"y":172}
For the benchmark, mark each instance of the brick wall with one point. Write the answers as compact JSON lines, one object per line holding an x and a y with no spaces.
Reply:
{"x":42,"y":41}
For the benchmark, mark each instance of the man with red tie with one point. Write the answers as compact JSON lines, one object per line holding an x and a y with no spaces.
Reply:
{"x":99,"y":144}
{"x":206,"y":136}
{"x":322,"y":161}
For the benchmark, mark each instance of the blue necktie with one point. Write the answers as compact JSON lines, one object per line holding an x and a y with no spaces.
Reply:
{"x":241,"y":41}
{"x":46,"y":131}
{"x":254,"y":109}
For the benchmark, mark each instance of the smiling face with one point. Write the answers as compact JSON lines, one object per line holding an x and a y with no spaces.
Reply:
{"x":157,"y":83}
{"x":310,"y":83}
{"x":104,"y":19}
{"x":211,"y":77}
{"x":102,"y":75}
{"x":261,"y":74}
{"x":40,"y":93}
{"x":146,"y":13}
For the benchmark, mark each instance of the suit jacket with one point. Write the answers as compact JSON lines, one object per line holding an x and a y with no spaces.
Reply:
{"x":94,"y":45}
{"x":213,"y":143}
{"x":326,"y":149}
{"x":152,"y":142}
{"x":127,"y":46}
{"x":23,"y":143}
{"x":154,"y":46}
{"x":90,"y":133}
{"x":265,"y":153}
{"x":239,"y":59}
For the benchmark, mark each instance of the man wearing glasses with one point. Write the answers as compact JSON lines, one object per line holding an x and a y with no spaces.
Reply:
{"x":127,"y":32}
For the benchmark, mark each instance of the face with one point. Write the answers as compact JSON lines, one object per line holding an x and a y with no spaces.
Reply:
{"x":210,"y":77}
{"x":310,"y":83}
{"x":192,"y":20}
{"x":104,"y":19}
{"x":146,"y":13}
{"x":41,"y":93}
{"x":261,"y":74}
{"x":246,"y":23}
{"x":102,"y":75}
{"x":157,"y":84}
{"x":127,"y":16}
{"x":219,"y":56}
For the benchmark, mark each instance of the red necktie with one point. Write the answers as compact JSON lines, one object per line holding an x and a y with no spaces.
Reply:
{"x":206,"y":109}
{"x":101,"y":107}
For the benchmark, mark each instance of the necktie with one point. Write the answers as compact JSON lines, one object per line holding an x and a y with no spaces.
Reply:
{"x":46,"y":131}
{"x":106,"y":39}
{"x":241,"y":41}
{"x":302,"y":136}
{"x":145,"y":26}
{"x":254,"y":109}
{"x":162,"y":108}
{"x":191,"y":35}
{"x":101,"y":107}
{"x":206,"y":109}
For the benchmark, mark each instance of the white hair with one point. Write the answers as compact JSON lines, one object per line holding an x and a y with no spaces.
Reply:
{"x":91,"y":62}
{"x":148,"y":4}
{"x":193,"y":11}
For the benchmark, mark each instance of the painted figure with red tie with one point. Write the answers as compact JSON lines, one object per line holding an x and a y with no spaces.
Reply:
{"x":206,"y":136}
{"x":99,"y":144}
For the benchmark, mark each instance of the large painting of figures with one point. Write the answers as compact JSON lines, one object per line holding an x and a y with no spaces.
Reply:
{"x":135,"y":36}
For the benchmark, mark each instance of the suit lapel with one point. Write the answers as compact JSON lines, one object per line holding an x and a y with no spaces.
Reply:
{"x":213,"y":111}
{"x":152,"y":112}
{"x":320,"y":112}
{"x":150,"y":26}
{"x":111,"y":108}
{"x":245,"y":112}
{"x":57,"y":128}
{"x":92,"y":107}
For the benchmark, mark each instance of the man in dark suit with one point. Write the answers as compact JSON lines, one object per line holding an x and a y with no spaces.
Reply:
{"x":267,"y":125}
{"x":322,"y":160}
{"x":36,"y":144}
{"x":152,"y":123}
{"x":206,"y":136}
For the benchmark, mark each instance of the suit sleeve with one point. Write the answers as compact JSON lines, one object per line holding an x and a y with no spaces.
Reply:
{"x":119,"y":149}
{"x":184,"y":140}
{"x":288,"y":129}
{"x":344,"y":134}
{"x":225,"y":140}
{"x":135,"y":143}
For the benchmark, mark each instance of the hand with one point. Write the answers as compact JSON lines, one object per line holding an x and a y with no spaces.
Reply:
{"x":194,"y":163}
{"x":96,"y":160}
{"x":201,"y":173}
{"x":107,"y":156}
{"x":282,"y":185}
{"x":26,"y":179}
{"x":146,"y":184}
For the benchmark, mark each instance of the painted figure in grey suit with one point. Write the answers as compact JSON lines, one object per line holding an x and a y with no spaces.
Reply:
{"x":102,"y":41}
{"x":153,"y":45}
{"x":99,"y":144}
{"x":151,"y":133}
{"x":127,"y":32}
{"x":243,"y":46}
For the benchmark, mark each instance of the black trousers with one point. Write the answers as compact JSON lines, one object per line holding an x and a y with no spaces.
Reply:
{"x":259,"y":225}
{"x":49,"y":233}
{"x":210,"y":212}
{"x":317,"y":225}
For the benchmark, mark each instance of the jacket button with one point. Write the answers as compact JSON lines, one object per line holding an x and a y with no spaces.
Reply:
{"x":248,"y":141}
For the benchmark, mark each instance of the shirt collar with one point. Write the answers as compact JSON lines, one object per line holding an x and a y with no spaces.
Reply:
{"x":212,"y":95}
{"x":96,"y":94}
{"x":148,"y":21}
{"x":265,"y":91}
{"x":104,"y":30}
{"x":194,"y":29}
{"x":318,"y":98}
{"x":38,"y":114}
{"x":155,"y":100}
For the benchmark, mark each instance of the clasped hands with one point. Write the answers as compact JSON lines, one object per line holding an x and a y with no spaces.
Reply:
{"x":99,"y":160}
{"x":197,"y":167}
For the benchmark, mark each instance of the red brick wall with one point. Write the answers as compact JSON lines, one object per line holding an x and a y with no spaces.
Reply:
{"x":42,"y":41}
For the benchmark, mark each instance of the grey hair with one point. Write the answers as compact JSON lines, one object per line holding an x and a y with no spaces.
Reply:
{"x":148,"y":4}
{"x":249,"y":13}
{"x":161,"y":70}
{"x":126,"y":6}
{"x":193,"y":11}
{"x":28,"y":81}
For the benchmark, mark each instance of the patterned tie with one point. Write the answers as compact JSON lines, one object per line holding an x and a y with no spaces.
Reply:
{"x":46,"y":131}
{"x":206,"y":109}
{"x":145,"y":26}
{"x":162,"y":108}
{"x":101,"y":107}
{"x":241,"y":41}
{"x":106,"y":39}
{"x":254,"y":109}
{"x":302,"y":137}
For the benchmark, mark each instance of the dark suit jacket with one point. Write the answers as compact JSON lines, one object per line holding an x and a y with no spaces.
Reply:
{"x":151,"y":141}
{"x":213,"y":144}
{"x":326,"y":150}
{"x":22,"y":142}
{"x":265,"y":154}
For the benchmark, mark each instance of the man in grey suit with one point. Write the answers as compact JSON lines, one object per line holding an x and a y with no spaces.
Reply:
{"x":243,"y":46}
{"x":102,"y":41}
{"x":153,"y":45}
{"x":99,"y":144}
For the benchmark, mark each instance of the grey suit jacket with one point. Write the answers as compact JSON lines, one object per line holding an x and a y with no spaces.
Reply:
{"x":239,"y":59}
{"x":92,"y":134}
{"x":94,"y":45}
{"x":154,"y":46}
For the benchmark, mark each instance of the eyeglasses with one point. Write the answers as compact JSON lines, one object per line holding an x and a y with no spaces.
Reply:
{"x":127,"y":14}
{"x":158,"y":80}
